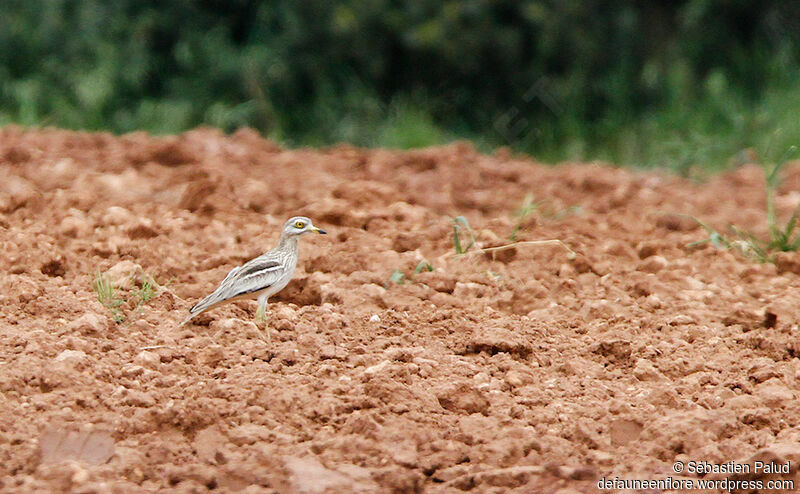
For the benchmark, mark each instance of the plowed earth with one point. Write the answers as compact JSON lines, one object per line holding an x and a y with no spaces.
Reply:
{"x":525,"y":371}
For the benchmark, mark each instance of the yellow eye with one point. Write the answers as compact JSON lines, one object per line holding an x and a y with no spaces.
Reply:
{"x":299,"y":224}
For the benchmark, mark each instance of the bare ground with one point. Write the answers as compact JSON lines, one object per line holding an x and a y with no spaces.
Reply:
{"x":519,"y":372}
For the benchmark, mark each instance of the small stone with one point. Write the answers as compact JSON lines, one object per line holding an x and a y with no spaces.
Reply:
{"x":375,"y":318}
{"x":88,"y":324}
{"x":285,"y":312}
{"x":652,"y":301}
{"x":653,"y":264}
{"x":116,"y":215}
{"x":481,"y":378}
{"x":147,"y":359}
{"x":130,"y":371}
{"x":76,"y":225}
{"x":72,"y":357}
{"x":463,"y":399}
{"x":140,"y":399}
{"x":377,"y":368}
{"x":515,"y":379}
{"x":682,"y":320}
{"x":644,"y":370}
{"x":123,"y":274}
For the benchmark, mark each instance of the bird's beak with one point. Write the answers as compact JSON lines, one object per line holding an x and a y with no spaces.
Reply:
{"x":318,"y":230}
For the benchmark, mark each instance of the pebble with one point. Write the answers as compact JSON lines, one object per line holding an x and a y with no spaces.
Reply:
{"x":122,"y":274}
{"x":139,"y":399}
{"x":76,"y":225}
{"x":147,"y":359}
{"x":88,"y":324}
{"x":644,"y":370}
{"x":130,"y":371}
{"x":375,"y":369}
{"x":72,"y":357}
{"x":515,"y":379}
{"x":116,"y":215}
{"x":653,"y":264}
{"x":285,"y":312}
{"x":463,"y":399}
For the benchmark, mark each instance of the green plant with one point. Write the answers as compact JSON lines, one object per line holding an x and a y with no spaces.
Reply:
{"x":461,"y":223}
{"x":397,"y":277}
{"x":147,"y":291}
{"x":114,"y":301}
{"x":544,"y":207}
{"x":522,"y":214}
{"x":107,"y":295}
{"x":781,"y":237}
{"x":423,"y":266}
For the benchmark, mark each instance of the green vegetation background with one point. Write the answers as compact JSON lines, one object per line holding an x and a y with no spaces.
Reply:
{"x":674,"y":84}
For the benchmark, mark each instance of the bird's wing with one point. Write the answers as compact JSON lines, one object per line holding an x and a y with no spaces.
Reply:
{"x":253,"y":276}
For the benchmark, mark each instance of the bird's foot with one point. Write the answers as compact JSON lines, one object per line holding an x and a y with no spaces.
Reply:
{"x":261,"y":317}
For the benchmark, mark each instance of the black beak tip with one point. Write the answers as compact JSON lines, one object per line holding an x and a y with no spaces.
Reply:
{"x":321,"y":231}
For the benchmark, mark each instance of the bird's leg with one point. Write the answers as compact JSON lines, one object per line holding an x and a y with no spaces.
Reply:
{"x":261,"y":316}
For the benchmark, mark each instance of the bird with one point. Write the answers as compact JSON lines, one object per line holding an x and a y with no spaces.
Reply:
{"x":262,"y":277}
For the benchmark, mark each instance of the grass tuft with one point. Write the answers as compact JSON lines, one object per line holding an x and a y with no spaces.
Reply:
{"x":423,"y":266}
{"x":107,"y":295}
{"x":461,"y":223}
{"x":544,"y":207}
{"x":781,"y":237}
{"x":110,"y":297}
{"x":397,"y":277}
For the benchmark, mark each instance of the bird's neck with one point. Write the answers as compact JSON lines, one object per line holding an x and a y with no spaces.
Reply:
{"x":287,"y":242}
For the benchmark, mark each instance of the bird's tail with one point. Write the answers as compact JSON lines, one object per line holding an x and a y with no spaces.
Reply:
{"x":207,"y":303}
{"x":191,"y":316}
{"x":199,"y":308}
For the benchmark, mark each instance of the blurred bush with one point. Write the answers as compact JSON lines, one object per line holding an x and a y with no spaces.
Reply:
{"x":623,"y":80}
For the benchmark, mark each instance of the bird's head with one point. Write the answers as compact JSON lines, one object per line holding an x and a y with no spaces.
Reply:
{"x":300,"y":225}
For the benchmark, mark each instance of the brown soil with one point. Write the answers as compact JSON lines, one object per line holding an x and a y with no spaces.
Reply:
{"x":522,"y":372}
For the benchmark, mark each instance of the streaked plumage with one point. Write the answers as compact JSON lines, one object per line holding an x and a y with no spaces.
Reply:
{"x":262,"y":277}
